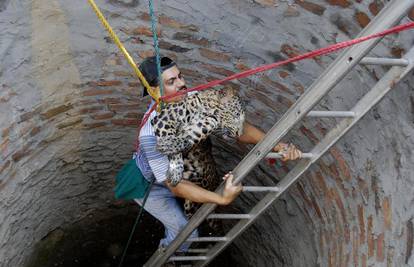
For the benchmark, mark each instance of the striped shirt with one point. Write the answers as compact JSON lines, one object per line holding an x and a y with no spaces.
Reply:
{"x":151,"y":162}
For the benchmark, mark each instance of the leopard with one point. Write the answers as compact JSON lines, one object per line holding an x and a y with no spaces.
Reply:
{"x":183,"y":128}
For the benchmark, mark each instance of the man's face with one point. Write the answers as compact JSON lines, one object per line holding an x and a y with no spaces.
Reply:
{"x":173,"y":82}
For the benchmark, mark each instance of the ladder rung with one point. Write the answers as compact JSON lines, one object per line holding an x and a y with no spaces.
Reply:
{"x":208,"y":239}
{"x":391,"y":14}
{"x":229,"y":216}
{"x":329,"y":114}
{"x":198,"y":250}
{"x":273,"y":155}
{"x":261,"y":189}
{"x":385,"y":61}
{"x":188,"y":258}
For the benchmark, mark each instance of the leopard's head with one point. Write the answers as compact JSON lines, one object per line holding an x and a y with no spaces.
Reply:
{"x":231,"y":113}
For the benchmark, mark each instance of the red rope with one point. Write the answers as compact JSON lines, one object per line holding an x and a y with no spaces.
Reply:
{"x":144,"y":120}
{"x":312,"y":54}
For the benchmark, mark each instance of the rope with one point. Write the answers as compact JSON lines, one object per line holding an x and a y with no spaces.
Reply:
{"x":154,"y":94}
{"x":160,"y":83}
{"x":136,"y":222}
{"x":156,"y":47}
{"x":158,"y":61}
{"x":157,"y":55}
{"x":158,"y":96}
{"x":312,"y":54}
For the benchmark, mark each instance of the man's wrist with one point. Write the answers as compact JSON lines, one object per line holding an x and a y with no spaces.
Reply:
{"x":223,"y":201}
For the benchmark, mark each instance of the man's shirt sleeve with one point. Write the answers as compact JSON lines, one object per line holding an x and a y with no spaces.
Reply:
{"x":157,"y":161}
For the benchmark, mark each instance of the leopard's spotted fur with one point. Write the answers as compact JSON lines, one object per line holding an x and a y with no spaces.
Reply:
{"x":182,"y":130}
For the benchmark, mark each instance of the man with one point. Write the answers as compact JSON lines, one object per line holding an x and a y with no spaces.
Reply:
{"x":161,"y":202}
{"x":411,"y":14}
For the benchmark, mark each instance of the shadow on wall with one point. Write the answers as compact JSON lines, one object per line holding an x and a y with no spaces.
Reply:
{"x":98,"y":240}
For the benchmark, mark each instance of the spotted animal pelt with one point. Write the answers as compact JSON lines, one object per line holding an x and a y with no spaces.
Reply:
{"x":182,"y":125}
{"x":182,"y":129}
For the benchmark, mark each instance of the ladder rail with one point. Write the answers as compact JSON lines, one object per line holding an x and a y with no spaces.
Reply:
{"x":389,"y":16}
{"x":263,"y":204}
{"x":372,"y":98}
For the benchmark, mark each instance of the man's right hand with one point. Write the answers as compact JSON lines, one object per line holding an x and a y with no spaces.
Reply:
{"x":230,"y":191}
{"x":289,"y":151}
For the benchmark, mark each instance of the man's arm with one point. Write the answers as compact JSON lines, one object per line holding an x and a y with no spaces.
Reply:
{"x":188,"y":190}
{"x":252,"y":135}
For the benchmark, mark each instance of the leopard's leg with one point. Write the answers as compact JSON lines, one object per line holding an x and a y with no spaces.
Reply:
{"x":191,"y":174}
{"x":188,"y":136}
{"x":210,"y":181}
{"x":200,"y":169}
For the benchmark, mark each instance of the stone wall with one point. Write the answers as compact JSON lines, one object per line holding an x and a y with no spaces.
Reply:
{"x":70,"y":105}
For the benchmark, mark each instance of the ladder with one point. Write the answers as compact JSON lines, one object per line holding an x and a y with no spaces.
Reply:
{"x":390,"y":15}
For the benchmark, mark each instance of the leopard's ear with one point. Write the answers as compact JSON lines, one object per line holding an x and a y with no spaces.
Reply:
{"x":227,"y":93}
{"x":210,"y":93}
{"x":220,"y":92}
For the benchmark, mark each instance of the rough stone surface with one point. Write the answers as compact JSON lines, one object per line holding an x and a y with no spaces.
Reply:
{"x":70,"y":104}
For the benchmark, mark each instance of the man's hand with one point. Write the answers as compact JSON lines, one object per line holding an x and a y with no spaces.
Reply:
{"x":230,"y":191}
{"x":289,"y":151}
{"x":188,"y":190}
{"x":280,"y":147}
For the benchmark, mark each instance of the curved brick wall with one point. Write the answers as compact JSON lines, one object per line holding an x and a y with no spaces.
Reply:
{"x":69,"y":105}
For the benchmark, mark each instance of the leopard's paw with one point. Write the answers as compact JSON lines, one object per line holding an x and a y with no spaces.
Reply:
{"x":175,"y":172}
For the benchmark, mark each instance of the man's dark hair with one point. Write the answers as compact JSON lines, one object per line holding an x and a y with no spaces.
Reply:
{"x":148,"y":68}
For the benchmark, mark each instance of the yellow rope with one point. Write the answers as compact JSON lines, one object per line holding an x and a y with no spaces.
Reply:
{"x":155,"y":94}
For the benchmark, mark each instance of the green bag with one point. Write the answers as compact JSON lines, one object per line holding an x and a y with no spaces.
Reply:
{"x":130,"y":183}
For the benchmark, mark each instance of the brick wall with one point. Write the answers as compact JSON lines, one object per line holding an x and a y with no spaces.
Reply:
{"x":70,"y":106}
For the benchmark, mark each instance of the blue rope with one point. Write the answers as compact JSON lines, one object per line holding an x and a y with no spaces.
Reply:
{"x":136,"y":223}
{"x":158,"y":61}
{"x":156,"y":47}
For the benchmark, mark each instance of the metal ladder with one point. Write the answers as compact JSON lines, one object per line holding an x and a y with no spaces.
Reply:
{"x":390,"y":15}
